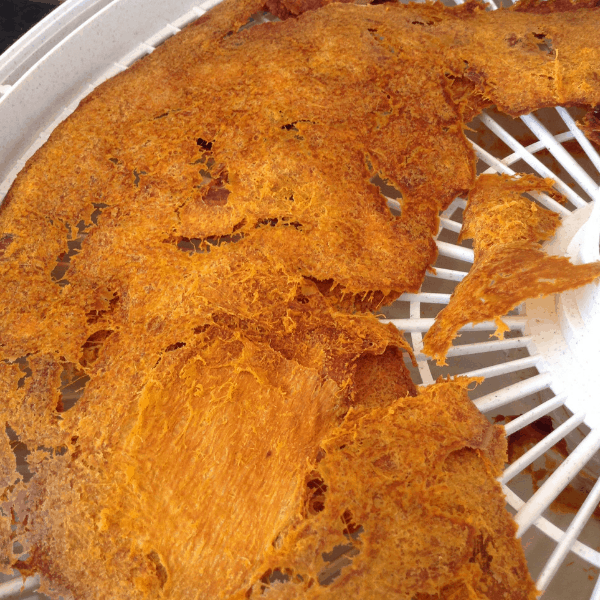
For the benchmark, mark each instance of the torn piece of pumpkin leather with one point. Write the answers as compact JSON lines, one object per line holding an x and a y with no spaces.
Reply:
{"x":403,"y":503}
{"x":183,"y":493}
{"x":497,"y":213}
{"x":510,"y":265}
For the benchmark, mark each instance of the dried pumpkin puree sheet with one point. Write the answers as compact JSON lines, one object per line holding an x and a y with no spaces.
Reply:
{"x":191,"y":485}
{"x":510,"y":264}
{"x":167,"y":248}
{"x":408,"y":491}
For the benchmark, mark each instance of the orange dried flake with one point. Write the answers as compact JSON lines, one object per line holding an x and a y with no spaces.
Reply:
{"x":510,"y":265}
{"x":497,"y":212}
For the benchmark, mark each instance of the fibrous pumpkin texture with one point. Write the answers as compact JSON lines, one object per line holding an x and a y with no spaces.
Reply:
{"x":385,"y":473}
{"x":188,"y":266}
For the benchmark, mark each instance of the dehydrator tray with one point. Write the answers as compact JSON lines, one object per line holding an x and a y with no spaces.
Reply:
{"x":544,"y":368}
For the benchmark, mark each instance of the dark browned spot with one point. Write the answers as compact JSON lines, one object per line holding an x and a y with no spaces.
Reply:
{"x":5,"y":241}
{"x":161,"y":571}
{"x":204,"y":144}
{"x":174,"y":346}
{"x":91,"y":347}
{"x":216,"y":196}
